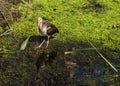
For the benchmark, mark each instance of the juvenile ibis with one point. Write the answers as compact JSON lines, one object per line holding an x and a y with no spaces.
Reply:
{"x":46,"y":29}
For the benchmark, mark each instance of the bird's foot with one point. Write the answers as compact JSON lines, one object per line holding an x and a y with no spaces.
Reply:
{"x":38,"y":47}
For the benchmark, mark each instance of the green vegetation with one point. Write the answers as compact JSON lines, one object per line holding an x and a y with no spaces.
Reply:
{"x":94,"y":19}
{"x":98,"y":21}
{"x":77,"y":20}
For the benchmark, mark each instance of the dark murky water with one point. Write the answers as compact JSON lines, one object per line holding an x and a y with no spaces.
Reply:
{"x":51,"y":67}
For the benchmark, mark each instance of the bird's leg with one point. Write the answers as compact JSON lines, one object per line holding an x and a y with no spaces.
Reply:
{"x":41,"y":44}
{"x":47,"y":43}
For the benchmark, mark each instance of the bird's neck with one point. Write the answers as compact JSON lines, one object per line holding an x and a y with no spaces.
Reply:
{"x":40,"y":24}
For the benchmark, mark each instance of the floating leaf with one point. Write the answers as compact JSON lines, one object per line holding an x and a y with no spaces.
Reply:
{"x":23,"y":45}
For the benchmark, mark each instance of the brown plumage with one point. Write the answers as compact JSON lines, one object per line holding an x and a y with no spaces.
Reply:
{"x":46,"y":28}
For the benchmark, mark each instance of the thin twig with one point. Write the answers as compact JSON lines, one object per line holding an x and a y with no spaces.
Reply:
{"x":5,"y":20}
{"x":6,"y":32}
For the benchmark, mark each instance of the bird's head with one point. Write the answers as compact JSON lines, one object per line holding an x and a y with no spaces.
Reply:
{"x":40,"y":22}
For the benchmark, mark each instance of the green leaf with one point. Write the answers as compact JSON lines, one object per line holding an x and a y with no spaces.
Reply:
{"x":23,"y":45}
{"x":103,"y":57}
{"x":108,"y":62}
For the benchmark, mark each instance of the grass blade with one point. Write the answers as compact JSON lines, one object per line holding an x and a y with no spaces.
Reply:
{"x":103,"y":57}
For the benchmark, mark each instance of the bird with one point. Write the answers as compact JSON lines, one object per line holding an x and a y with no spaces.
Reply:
{"x":46,"y":29}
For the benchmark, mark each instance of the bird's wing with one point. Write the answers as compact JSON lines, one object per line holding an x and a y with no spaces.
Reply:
{"x":49,"y":25}
{"x":51,"y":29}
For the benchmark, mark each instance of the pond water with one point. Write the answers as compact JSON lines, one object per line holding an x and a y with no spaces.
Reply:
{"x":52,"y":67}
